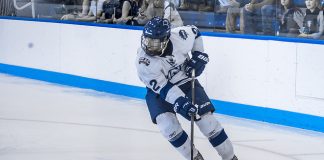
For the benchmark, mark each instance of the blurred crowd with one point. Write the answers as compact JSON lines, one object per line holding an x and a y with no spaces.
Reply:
{"x":289,"y":18}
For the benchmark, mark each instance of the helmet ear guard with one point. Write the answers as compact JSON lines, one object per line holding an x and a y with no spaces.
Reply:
{"x":155,"y":37}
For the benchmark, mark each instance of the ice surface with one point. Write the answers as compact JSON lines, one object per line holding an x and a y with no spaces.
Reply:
{"x":44,"y":121}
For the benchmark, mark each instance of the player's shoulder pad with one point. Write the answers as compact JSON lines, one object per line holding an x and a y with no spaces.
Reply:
{"x":184,"y":32}
{"x":194,"y":30}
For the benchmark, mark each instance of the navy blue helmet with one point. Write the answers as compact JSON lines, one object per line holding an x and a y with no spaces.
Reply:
{"x":156,"y":34}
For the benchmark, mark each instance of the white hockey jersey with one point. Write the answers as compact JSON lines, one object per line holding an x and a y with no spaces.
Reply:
{"x":155,"y":72}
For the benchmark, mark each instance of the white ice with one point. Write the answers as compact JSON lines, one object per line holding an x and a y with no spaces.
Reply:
{"x":44,"y":121}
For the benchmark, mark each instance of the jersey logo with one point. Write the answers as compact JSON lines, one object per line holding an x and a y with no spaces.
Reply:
{"x":194,"y":30}
{"x":170,"y":60}
{"x":183,"y":34}
{"x":173,"y":71}
{"x":144,"y":61}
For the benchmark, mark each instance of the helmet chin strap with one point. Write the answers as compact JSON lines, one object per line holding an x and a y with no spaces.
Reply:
{"x":163,"y":49}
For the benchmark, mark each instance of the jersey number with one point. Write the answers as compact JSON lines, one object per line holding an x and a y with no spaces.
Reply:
{"x":153,"y":83}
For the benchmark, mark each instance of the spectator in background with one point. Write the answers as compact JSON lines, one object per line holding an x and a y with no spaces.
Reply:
{"x":74,"y":16}
{"x":148,"y":10}
{"x":184,"y":5}
{"x":191,"y":4}
{"x":256,"y":13}
{"x":235,"y":7}
{"x":130,"y":10}
{"x":290,"y":19}
{"x":95,"y":11}
{"x":7,"y":8}
{"x":171,"y":13}
{"x":269,"y":14}
{"x":313,"y":26}
{"x":202,"y":5}
{"x":71,"y":6}
{"x":85,"y":7}
{"x":159,"y":8}
{"x":111,"y":9}
{"x":207,"y":6}
{"x":175,"y":2}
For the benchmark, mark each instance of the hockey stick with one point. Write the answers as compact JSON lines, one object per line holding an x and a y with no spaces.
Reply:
{"x":193,"y":77}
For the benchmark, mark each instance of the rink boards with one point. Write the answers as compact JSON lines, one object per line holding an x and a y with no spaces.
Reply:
{"x":271,"y":79}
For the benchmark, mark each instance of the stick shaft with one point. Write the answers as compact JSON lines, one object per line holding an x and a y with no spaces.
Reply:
{"x":193,"y":76}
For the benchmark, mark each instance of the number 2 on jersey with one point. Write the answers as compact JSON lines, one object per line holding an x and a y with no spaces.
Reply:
{"x":153,"y":83}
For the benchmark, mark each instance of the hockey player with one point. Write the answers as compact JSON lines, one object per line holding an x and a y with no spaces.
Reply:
{"x":164,"y":66}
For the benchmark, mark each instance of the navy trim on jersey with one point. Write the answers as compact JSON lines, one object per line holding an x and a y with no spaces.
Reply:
{"x":198,"y":34}
{"x":219,"y":139}
{"x":164,"y":91}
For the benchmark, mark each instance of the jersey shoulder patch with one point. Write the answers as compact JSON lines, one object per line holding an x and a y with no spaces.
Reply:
{"x":195,"y":31}
{"x":183,"y":34}
{"x":143,"y":60}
